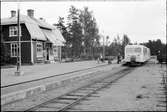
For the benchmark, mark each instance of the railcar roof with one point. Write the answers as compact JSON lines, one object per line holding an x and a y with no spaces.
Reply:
{"x":135,"y":46}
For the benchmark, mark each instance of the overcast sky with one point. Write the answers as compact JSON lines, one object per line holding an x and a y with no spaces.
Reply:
{"x":140,"y":20}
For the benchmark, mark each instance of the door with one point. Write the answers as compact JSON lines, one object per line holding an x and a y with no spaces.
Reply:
{"x":47,"y":54}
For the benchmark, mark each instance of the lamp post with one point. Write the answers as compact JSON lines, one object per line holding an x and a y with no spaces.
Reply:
{"x":18,"y":72}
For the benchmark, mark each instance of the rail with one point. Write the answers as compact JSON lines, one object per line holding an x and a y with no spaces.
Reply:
{"x":68,"y":100}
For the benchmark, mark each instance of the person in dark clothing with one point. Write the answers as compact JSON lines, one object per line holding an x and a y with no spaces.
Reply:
{"x":118,"y":58}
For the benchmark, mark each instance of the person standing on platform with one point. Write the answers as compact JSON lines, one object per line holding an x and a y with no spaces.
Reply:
{"x":118,"y":58}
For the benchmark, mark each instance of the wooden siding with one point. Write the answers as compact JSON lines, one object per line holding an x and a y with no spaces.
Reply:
{"x":25,"y":45}
{"x":25,"y":36}
{"x":25,"y":53}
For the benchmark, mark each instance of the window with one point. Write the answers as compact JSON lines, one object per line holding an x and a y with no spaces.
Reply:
{"x":138,"y":50}
{"x":39,"y":49}
{"x":14,"y":47}
{"x":133,"y":50}
{"x":55,"y":51}
{"x":129,"y":50}
{"x":145,"y":51}
{"x":13,"y":31}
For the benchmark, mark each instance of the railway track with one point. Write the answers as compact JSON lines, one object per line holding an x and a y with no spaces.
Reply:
{"x":68,"y":100}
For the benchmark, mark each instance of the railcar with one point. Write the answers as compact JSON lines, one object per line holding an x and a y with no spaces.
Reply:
{"x":136,"y":54}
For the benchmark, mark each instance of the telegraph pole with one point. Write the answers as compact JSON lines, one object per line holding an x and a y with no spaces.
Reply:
{"x":18,"y":72}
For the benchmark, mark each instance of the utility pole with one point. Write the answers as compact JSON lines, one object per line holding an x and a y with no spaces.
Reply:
{"x":103,"y":49}
{"x":18,"y":72}
{"x":84,"y":32}
{"x":107,"y":37}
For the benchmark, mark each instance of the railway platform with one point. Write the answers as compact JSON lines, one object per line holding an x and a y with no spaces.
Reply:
{"x":31,"y":72}
{"x":66,"y":72}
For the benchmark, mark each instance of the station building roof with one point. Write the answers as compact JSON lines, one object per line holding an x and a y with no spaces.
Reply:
{"x":38,"y":29}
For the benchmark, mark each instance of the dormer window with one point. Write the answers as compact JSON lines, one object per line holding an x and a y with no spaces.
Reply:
{"x":13,"y":31}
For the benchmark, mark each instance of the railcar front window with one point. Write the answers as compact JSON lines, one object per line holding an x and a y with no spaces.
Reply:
{"x":138,"y":50}
{"x":129,"y":50}
{"x":133,"y":50}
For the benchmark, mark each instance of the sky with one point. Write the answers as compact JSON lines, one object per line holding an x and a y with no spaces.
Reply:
{"x":141,"y":20}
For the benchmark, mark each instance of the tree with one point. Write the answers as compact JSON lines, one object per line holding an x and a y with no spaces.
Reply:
{"x":75,"y":31}
{"x":60,"y":25}
{"x":81,"y":32}
{"x":90,"y":31}
{"x":115,"y":47}
{"x":118,"y":45}
{"x":156,"y":46}
{"x":125,"y":41}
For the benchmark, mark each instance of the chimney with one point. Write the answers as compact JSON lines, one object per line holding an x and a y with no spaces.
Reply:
{"x":30,"y":12}
{"x":42,"y":19}
{"x":13,"y":13}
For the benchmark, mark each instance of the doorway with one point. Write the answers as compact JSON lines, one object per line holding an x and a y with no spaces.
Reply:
{"x":47,"y":54}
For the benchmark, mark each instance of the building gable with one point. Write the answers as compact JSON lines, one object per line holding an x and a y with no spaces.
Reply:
{"x":35,"y":28}
{"x":25,"y":36}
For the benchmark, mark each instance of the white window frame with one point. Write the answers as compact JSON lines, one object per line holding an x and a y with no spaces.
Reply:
{"x":39,"y":49}
{"x":14,"y":48}
{"x":55,"y":51}
{"x":13,"y":31}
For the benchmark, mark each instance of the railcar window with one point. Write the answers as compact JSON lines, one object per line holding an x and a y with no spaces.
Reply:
{"x":145,"y":51}
{"x":131,"y":50}
{"x":138,"y":50}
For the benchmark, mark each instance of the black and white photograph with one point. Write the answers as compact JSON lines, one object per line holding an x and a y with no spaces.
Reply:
{"x":83,"y":55}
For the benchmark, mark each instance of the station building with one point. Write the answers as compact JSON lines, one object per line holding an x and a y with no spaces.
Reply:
{"x":40,"y":41}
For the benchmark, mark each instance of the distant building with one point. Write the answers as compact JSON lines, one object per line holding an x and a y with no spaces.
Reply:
{"x":40,"y":41}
